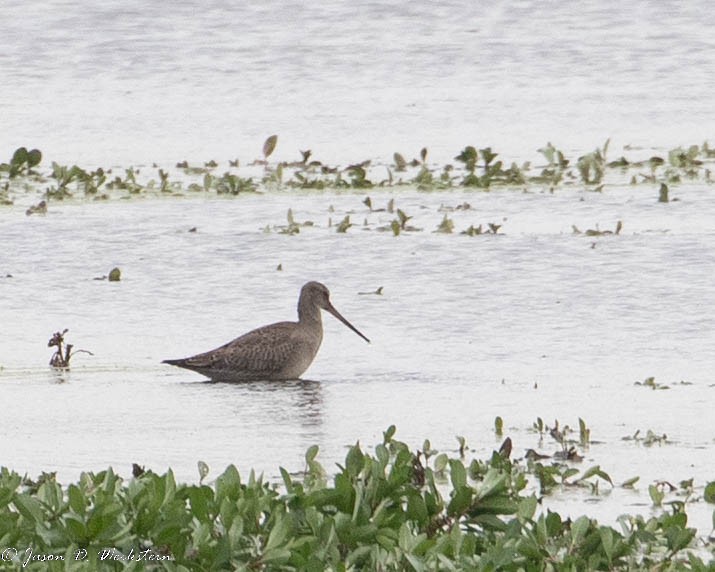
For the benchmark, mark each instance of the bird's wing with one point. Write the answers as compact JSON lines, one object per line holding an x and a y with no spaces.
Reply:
{"x":261,"y":351}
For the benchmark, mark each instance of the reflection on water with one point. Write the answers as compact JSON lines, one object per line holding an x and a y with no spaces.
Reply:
{"x":291,"y":401}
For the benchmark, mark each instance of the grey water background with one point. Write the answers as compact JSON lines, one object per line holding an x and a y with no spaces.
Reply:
{"x":532,"y":323}
{"x":127,"y":82}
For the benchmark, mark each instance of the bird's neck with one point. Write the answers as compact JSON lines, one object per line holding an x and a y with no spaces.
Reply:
{"x":309,"y":314}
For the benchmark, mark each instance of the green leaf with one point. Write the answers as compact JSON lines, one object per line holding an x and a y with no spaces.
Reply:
{"x":311,"y":453}
{"x":19,"y":157}
{"x":34,"y":157}
{"x":203,"y":470}
{"x":457,"y":473}
{"x":76,"y":529}
{"x":527,"y":507}
{"x":498,"y":425}
{"x":29,"y":507}
{"x":606,"y":534}
{"x":76,"y":499}
{"x":628,"y":483}
{"x":280,"y":531}
{"x":596,"y":471}
{"x":461,"y":500}
{"x":354,"y":460}
{"x":709,"y":493}
{"x":440,"y":462}
{"x":656,"y":495}
{"x":678,"y":538}
{"x":578,"y":529}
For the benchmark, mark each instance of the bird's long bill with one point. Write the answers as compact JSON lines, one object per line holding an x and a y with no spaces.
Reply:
{"x":339,"y":316}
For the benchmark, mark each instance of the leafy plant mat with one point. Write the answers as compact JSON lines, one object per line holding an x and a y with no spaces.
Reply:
{"x":395,"y":509}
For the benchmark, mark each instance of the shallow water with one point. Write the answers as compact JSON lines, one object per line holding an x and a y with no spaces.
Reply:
{"x":129,"y":82}
{"x":535,"y":322}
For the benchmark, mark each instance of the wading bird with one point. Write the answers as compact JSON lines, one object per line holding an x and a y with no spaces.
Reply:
{"x":279,"y":351}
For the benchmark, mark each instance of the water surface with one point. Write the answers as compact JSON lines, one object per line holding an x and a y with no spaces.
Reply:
{"x":534,"y":321}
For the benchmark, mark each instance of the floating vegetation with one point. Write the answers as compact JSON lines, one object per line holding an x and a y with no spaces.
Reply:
{"x":63,"y":353}
{"x":475,"y":168}
{"x":649,"y":439}
{"x":115,"y":275}
{"x":393,"y":510}
{"x":344,"y":224}
{"x":446,"y":226}
{"x":22,"y":162}
{"x":597,"y":231}
{"x":377,"y":292}
{"x":650,"y":382}
{"x":663,"y":193}
{"x":39,"y":208}
{"x":293,"y":226}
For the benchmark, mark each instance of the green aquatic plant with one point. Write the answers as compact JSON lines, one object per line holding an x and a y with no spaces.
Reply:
{"x":685,"y":158}
{"x":555,"y":169}
{"x":22,"y":162}
{"x":293,"y":227}
{"x":446,"y":226}
{"x":391,"y":510}
{"x":399,"y":162}
{"x":473,"y":230}
{"x":344,"y":224}
{"x":498,"y":426}
{"x":478,"y":168}
{"x":651,"y":383}
{"x":232,"y":184}
{"x":584,"y":434}
{"x":358,"y":175}
{"x":468,"y":157}
{"x":591,"y":167}
{"x":663,"y":193}
{"x":651,"y":438}
{"x":597,"y":231}
{"x":709,"y":494}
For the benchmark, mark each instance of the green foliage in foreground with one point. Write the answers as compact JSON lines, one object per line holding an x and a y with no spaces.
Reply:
{"x":397,"y":510}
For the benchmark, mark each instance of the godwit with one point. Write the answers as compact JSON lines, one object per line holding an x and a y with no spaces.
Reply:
{"x":276,"y":352}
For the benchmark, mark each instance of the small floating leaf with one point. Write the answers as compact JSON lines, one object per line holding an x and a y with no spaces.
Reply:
{"x":663,"y":193}
{"x":344,"y":224}
{"x":628,"y":484}
{"x":400,"y":163}
{"x":446,"y":226}
{"x":269,"y":146}
{"x":203,"y":470}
